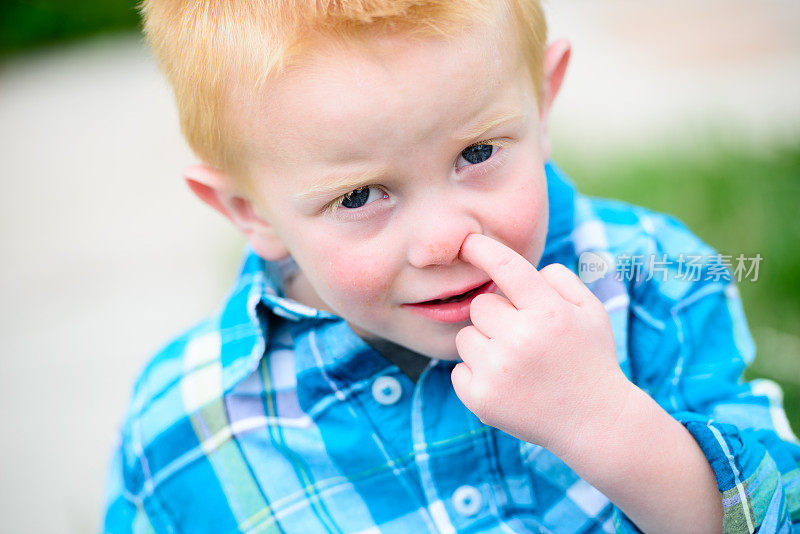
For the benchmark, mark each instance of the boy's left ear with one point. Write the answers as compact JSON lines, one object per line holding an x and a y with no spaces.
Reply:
{"x":219,"y":190}
{"x":556,"y":59}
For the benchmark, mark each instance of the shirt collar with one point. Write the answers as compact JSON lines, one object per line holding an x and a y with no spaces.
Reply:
{"x":242,"y":328}
{"x":259,"y":288}
{"x":561,"y":214}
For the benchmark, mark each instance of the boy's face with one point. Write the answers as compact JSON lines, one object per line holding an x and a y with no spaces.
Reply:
{"x":396,"y":121}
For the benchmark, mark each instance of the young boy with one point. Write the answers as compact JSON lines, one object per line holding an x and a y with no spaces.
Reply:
{"x":407,"y":348}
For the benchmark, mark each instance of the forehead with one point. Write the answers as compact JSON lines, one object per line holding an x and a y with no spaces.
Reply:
{"x":349,"y":102}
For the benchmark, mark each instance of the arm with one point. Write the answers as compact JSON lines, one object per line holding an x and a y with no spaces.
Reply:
{"x":738,"y":431}
{"x":741,"y":427}
{"x":650,"y":467}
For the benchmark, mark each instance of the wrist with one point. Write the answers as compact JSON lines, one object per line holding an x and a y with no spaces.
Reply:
{"x":607,"y":405}
{"x":649,"y":466}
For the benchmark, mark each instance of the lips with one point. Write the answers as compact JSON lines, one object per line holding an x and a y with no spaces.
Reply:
{"x":452,"y":307}
{"x":458,"y":296}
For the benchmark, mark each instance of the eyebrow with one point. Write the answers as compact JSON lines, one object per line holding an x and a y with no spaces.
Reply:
{"x":479,"y":129}
{"x":337,"y":185}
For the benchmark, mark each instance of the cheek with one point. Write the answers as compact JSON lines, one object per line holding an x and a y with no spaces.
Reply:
{"x":351,"y":278}
{"x":522,"y":221}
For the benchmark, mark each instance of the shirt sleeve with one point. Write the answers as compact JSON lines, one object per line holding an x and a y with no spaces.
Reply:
{"x":123,"y":512}
{"x":694,"y":372}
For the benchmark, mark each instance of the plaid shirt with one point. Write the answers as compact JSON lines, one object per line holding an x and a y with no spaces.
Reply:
{"x":275,"y":417}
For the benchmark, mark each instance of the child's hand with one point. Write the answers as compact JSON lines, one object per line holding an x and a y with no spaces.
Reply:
{"x":539,"y":365}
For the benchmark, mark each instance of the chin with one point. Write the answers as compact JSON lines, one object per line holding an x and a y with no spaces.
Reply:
{"x":441,"y":346}
{"x":442,"y":351}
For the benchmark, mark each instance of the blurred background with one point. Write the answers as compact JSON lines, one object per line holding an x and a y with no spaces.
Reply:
{"x":687,"y":107}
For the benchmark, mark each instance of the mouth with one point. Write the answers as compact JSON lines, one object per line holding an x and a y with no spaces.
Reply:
{"x":453,"y":308}
{"x":460,"y":296}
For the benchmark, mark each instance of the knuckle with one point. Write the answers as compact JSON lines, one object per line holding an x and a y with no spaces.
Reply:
{"x":523,"y":337}
{"x":479,"y":303}
{"x":505,"y":369}
{"x":551,"y":267}
{"x":554,"y":268}
{"x":505,"y":260}
{"x":596,"y":305}
{"x":468,"y":338}
{"x":459,"y":376}
{"x":566,"y":271}
{"x":481,"y":400}
{"x":556,"y":318}
{"x":599,"y":318}
{"x":560,"y":274}
{"x":462,"y":336}
{"x":522,"y":332}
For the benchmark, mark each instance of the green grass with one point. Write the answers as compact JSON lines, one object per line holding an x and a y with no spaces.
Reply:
{"x":28,"y":24}
{"x":738,"y":200}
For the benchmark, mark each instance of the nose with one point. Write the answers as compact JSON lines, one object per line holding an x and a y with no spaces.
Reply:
{"x":437,"y":232}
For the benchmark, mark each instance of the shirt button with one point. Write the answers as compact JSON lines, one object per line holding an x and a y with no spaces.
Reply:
{"x":386,"y":390}
{"x":467,"y":500}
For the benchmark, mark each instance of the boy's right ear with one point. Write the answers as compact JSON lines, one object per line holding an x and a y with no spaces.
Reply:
{"x":218,"y":190}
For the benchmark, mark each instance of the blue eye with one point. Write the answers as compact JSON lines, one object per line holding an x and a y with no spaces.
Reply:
{"x":478,"y":153}
{"x":360,"y":197}
{"x":356,"y":198}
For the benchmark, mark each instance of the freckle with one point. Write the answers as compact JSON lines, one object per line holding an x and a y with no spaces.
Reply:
{"x":436,"y":249}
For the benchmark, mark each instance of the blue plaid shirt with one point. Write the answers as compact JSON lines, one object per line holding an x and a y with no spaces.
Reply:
{"x":275,"y":417}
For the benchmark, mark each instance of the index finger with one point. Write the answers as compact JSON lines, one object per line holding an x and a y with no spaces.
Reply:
{"x":513,"y":274}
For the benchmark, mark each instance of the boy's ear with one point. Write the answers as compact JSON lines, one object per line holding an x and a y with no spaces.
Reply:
{"x":219,"y":191}
{"x":556,"y":59}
